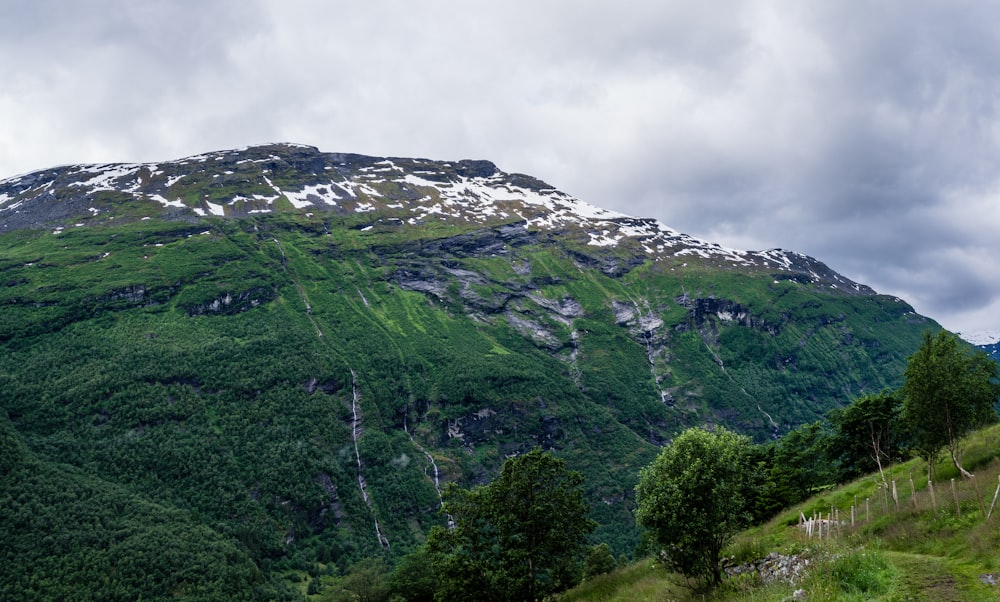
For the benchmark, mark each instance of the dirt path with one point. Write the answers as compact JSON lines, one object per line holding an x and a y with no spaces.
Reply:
{"x":936,"y":579}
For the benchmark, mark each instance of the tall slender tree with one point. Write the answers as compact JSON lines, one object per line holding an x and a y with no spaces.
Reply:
{"x":949,"y":390}
{"x":867,"y":434}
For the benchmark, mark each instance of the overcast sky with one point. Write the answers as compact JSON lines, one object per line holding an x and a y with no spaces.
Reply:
{"x":866,"y":134}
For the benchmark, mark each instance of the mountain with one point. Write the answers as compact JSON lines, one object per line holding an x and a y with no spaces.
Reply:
{"x":988,"y":341}
{"x":992,"y":349}
{"x":279,"y":357}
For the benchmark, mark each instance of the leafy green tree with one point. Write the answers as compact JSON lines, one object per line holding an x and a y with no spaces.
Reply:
{"x":518,"y":538}
{"x":365,"y":581}
{"x":414,"y":579}
{"x":465,"y":554}
{"x":949,"y":391}
{"x":599,"y":561}
{"x":867,"y":434}
{"x":792,"y":469}
{"x":693,"y":499}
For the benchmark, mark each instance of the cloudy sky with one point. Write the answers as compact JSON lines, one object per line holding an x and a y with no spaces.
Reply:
{"x":866,"y":134}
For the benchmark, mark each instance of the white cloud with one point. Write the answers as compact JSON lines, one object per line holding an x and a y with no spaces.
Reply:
{"x":863,"y":134}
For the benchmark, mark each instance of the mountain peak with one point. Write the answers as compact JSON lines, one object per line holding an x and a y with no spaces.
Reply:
{"x":288,"y":177}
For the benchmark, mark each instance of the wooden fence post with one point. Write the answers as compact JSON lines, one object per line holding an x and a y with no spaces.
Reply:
{"x":994,"y":499}
{"x":895,"y":496}
{"x":979,"y":495}
{"x":930,"y":486}
{"x":913,"y":493}
{"x":954,"y":494}
{"x":867,"y":509}
{"x":852,"y":512}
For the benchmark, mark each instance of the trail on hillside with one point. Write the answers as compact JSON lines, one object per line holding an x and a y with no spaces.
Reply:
{"x":929,"y":578}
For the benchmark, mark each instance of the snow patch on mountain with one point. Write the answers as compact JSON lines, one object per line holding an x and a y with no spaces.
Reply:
{"x":474,"y":192}
{"x":323,"y":193}
{"x":174,"y":179}
{"x":106,"y":176}
{"x":982,"y":337}
{"x":159,"y":199}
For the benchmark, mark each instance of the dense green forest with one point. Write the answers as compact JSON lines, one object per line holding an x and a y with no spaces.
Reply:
{"x":290,"y":392}
{"x":708,"y":485}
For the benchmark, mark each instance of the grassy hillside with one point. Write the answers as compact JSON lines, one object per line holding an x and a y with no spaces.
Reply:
{"x":930,"y":548}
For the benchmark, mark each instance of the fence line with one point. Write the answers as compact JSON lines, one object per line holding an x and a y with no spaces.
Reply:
{"x":889,"y":498}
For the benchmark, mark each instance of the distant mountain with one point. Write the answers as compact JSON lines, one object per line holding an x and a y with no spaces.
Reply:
{"x":280,"y":356}
{"x":988,"y":341}
{"x":981,"y":338}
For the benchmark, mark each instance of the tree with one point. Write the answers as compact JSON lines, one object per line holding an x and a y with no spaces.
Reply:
{"x":414,"y":579}
{"x":948,"y":392}
{"x":464,"y":554}
{"x":599,"y":561}
{"x":804,"y":455}
{"x":867,"y":434}
{"x":693,"y":499}
{"x":518,"y":538}
{"x":367,"y":580}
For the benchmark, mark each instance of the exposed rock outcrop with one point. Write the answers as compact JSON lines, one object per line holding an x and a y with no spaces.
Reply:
{"x":773,"y":567}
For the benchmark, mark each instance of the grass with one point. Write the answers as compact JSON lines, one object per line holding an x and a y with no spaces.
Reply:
{"x":641,"y":581}
{"x":910,"y":554}
{"x":837,"y":572}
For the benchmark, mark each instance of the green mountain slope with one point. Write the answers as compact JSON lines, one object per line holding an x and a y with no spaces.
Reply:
{"x":290,"y":352}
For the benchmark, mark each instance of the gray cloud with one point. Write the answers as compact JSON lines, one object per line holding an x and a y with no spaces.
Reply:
{"x":862,"y":133}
